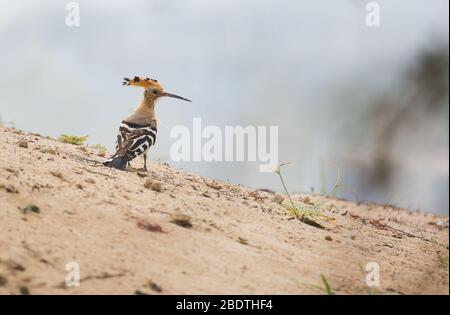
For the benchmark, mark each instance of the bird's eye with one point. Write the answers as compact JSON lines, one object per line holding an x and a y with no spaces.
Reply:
{"x":155,"y":91}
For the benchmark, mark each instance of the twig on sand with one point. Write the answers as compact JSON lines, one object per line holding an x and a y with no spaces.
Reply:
{"x":23,"y":137}
{"x":83,"y":159}
{"x":99,"y":173}
{"x":377,"y":224}
{"x":359,"y":231}
{"x":104,"y":275}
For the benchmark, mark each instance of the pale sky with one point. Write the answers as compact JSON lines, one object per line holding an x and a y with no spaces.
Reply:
{"x":253,"y":62}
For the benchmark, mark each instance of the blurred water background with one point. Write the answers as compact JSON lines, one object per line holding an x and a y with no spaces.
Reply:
{"x":372,"y":100}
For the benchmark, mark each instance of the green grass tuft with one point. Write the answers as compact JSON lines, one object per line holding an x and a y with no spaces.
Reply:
{"x":442,"y":261}
{"x":326,"y":286}
{"x":308,"y":213}
{"x":99,"y":147}
{"x":76,"y":140}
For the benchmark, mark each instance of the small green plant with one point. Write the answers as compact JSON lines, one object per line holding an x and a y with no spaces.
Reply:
{"x":308,"y":213}
{"x":326,"y":286}
{"x":76,"y":140}
{"x":99,"y":147}
{"x":442,"y":261}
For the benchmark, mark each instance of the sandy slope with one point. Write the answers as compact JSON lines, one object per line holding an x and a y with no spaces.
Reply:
{"x":240,"y":240}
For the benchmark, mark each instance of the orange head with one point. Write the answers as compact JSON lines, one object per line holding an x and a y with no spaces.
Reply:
{"x":153,"y":89}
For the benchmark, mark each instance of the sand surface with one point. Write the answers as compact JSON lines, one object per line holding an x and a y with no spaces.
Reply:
{"x":128,"y":238}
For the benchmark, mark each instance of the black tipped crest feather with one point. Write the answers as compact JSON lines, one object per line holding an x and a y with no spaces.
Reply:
{"x":128,"y":81}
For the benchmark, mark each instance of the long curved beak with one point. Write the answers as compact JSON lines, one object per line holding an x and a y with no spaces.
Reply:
{"x":175,"y":96}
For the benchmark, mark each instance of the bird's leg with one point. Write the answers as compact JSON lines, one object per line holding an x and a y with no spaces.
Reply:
{"x":145,"y":161}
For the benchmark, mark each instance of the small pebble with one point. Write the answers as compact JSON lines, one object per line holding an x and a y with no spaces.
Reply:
{"x":3,"y":281}
{"x":182,"y":220}
{"x":278,"y":198}
{"x":31,"y":208}
{"x":153,"y":185}
{"x":148,"y":183}
{"x":24,"y":290}
{"x":154,"y":286}
{"x":23,"y":144}
{"x":156,"y":186}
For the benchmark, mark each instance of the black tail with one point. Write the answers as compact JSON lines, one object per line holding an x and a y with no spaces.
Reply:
{"x":117,"y":162}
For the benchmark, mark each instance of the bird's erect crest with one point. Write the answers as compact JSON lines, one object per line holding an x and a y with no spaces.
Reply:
{"x":142,"y":82}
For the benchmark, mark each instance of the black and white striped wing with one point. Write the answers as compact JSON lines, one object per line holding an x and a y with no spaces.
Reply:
{"x":134,"y":140}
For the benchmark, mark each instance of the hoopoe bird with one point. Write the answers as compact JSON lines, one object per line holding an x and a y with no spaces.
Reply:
{"x":137,"y":132}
